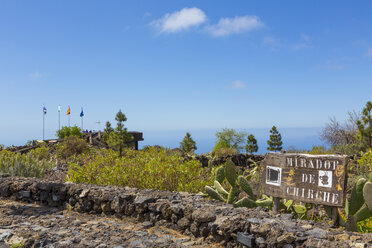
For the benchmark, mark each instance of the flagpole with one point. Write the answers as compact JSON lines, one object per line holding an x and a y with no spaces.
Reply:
{"x":43,"y":124}
{"x":68,"y":120}
{"x":59,"y":120}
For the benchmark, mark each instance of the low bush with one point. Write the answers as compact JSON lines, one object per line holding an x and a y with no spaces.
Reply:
{"x":71,"y":147}
{"x":364,"y":165}
{"x":65,"y":132}
{"x":26,"y":165}
{"x":147,"y":169}
{"x":223,"y":152}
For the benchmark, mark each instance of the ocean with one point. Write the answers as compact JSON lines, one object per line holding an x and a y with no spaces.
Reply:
{"x":293,"y":138}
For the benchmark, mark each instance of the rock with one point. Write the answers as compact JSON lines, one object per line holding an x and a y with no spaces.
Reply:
{"x":204,"y":215}
{"x":341,"y":237}
{"x":25,"y":194}
{"x":260,"y":242}
{"x":5,"y":233}
{"x":183,"y":223}
{"x":246,"y":239}
{"x":194,"y":229}
{"x":146,"y":224}
{"x":84,"y":193}
{"x":286,"y":238}
{"x":316,"y":232}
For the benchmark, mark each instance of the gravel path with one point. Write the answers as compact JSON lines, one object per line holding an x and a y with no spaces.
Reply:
{"x":36,"y":226}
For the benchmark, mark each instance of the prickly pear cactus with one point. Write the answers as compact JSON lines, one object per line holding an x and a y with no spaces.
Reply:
{"x":368,"y":195}
{"x":246,"y":187}
{"x":245,"y":202}
{"x":220,"y":189}
{"x":356,"y":198}
{"x":220,"y":174}
{"x":214,"y":194}
{"x":230,"y":173}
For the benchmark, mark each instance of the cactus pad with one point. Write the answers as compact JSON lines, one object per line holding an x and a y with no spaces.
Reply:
{"x":214,"y":194}
{"x":230,"y":173}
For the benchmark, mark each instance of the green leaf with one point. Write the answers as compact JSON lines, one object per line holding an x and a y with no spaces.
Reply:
{"x":299,"y":209}
{"x":265,"y":203}
{"x":357,"y":199}
{"x":288,"y":203}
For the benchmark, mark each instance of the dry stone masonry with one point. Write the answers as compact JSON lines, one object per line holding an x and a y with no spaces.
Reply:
{"x":188,"y":213}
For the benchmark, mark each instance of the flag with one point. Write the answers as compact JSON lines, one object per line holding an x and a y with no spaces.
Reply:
{"x":81,"y":113}
{"x":44,"y":110}
{"x":68,"y":111}
{"x":59,"y":109}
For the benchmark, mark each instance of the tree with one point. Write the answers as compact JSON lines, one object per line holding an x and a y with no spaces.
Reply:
{"x":107,"y":131}
{"x":65,"y":132}
{"x":251,"y":146}
{"x":365,"y":126}
{"x":337,"y":134}
{"x":275,"y":142}
{"x":188,"y":144}
{"x":343,"y":137}
{"x":120,"y":138}
{"x":229,"y":138}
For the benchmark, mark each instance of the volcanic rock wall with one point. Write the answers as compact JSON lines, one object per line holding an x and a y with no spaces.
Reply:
{"x":191,"y":214}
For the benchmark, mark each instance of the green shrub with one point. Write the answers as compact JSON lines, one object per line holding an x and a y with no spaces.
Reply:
{"x":317,"y":150}
{"x":223,"y":152}
{"x":147,"y":169}
{"x":364,"y":166}
{"x":71,"y":146}
{"x":65,"y":132}
{"x":229,"y":138}
{"x":26,"y":165}
{"x":41,"y":153}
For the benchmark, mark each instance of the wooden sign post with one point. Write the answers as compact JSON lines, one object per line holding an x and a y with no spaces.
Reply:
{"x":318,"y":179}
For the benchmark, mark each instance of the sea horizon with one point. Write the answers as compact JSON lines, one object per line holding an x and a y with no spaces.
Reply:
{"x":299,"y":138}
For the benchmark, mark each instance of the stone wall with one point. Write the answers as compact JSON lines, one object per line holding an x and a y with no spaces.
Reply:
{"x":241,"y":160}
{"x":188,"y":213}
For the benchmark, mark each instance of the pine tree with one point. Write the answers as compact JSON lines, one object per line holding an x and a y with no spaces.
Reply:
{"x":251,"y":146}
{"x":107,"y":131}
{"x":120,"y":138}
{"x":365,"y":126}
{"x":188,"y":144}
{"x":275,"y":142}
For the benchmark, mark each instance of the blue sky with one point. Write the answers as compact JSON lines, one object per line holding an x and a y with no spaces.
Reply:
{"x":182,"y":65}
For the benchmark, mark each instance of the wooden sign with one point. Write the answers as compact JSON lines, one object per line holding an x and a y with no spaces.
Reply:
{"x":319,"y":179}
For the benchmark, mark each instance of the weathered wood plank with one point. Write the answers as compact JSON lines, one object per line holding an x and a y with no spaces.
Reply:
{"x":319,"y":179}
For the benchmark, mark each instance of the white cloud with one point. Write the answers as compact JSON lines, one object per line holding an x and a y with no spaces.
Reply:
{"x":238,"y":24}
{"x":369,"y":52}
{"x":180,"y":20}
{"x":238,"y":85}
{"x":36,"y":75}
